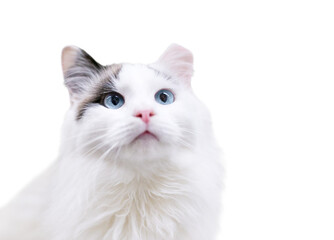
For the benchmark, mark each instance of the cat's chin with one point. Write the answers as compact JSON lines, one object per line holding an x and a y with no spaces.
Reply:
{"x":145,"y":148}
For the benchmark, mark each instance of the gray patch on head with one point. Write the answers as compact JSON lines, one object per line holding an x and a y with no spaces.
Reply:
{"x":105,"y":85}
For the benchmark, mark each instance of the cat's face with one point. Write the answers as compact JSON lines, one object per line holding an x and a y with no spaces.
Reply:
{"x":131,"y":111}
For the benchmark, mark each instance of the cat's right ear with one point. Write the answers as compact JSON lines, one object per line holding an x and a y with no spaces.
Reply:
{"x":176,"y":61}
{"x":79,"y":70}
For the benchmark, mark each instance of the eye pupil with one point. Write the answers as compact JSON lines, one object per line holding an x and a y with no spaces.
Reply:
{"x":115,"y":99}
{"x":163,"y":97}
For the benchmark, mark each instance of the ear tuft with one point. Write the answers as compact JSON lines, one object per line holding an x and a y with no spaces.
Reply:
{"x":177,"y":61}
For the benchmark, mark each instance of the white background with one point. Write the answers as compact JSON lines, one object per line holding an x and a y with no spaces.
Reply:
{"x":264,"y":68}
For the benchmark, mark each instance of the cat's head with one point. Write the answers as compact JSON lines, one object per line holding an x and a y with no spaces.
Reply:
{"x":132,"y":112}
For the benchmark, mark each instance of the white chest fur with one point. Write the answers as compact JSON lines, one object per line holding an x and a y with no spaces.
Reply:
{"x":107,"y":202}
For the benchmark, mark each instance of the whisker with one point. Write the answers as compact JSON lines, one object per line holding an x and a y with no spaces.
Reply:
{"x":125,"y":130}
{"x":94,"y":149}
{"x":68,"y":139}
{"x":91,"y":142}
{"x":170,"y":130}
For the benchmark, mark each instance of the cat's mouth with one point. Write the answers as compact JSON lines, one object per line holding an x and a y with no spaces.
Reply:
{"x":146,"y":135}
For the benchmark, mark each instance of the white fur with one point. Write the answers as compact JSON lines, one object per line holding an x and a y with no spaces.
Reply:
{"x":104,"y":186}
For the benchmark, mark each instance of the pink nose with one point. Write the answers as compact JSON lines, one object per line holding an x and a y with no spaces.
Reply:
{"x":145,"y":115}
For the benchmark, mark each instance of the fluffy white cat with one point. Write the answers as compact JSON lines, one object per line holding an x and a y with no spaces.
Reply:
{"x":138,"y":159}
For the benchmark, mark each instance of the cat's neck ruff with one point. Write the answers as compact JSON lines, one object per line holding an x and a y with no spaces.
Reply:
{"x":160,"y":197}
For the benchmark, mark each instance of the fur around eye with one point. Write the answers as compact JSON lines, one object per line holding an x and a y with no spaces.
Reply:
{"x":113,"y":100}
{"x":164,"y":97}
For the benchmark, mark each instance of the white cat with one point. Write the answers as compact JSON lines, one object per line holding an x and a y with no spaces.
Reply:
{"x":138,"y":159}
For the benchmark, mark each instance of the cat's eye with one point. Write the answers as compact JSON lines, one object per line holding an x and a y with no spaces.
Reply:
{"x":164,"y":97}
{"x":113,"y":100}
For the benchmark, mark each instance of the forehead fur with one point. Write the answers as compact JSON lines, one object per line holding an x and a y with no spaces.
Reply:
{"x":137,"y":76}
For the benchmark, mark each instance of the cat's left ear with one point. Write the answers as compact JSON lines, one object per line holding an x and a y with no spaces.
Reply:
{"x":79,"y":70}
{"x":176,"y":61}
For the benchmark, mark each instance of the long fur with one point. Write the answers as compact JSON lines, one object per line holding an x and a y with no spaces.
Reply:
{"x":105,"y":184}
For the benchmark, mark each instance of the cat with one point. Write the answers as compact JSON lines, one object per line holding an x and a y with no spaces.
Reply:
{"x":138,"y":158}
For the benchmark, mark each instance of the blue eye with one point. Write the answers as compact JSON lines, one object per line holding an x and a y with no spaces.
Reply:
{"x":164,"y":97}
{"x":113,"y":100}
